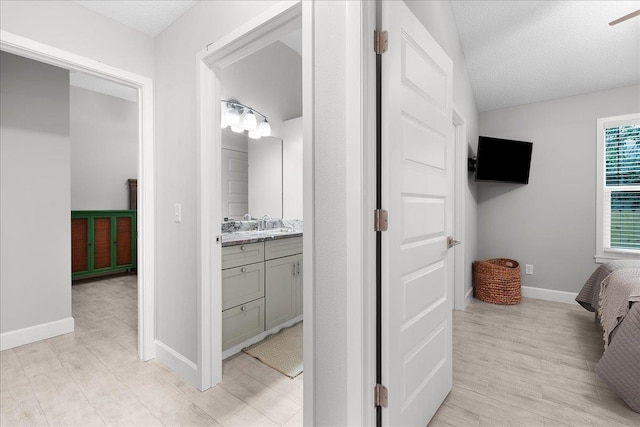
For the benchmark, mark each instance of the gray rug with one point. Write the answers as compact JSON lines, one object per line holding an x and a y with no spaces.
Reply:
{"x":282,"y":351}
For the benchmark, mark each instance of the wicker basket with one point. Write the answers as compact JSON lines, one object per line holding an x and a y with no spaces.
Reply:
{"x":497,"y":281}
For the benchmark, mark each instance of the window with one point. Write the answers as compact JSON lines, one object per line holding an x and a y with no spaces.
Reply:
{"x":618,"y":195}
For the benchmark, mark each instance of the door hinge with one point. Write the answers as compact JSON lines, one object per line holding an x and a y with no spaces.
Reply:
{"x":381,"y":396}
{"x":380,"y":220}
{"x":380,"y":42}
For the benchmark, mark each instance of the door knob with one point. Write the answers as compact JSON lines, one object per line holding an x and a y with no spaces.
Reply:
{"x":451,"y":242}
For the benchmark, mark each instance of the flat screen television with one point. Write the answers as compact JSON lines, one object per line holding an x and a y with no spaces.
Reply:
{"x":503,"y":160}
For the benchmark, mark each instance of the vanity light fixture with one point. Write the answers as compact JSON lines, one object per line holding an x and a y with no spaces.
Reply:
{"x":242,"y":117}
{"x":250,"y":121}
{"x":265,"y":128}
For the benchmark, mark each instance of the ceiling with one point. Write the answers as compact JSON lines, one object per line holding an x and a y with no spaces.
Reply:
{"x":517,"y":52}
{"x":148,"y":17}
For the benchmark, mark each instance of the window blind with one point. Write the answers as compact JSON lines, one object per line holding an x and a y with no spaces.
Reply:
{"x":622,"y":187}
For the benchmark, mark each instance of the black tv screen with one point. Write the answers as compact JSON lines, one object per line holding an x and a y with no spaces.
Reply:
{"x":503,"y":160}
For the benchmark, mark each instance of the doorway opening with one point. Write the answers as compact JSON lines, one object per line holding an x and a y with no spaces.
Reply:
{"x":262,"y":202}
{"x":142,"y":86}
{"x":104,"y":174}
{"x":273,"y":35}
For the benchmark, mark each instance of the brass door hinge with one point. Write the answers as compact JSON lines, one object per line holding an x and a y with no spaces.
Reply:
{"x":380,"y":42}
{"x":381,"y":396}
{"x":380,"y":220}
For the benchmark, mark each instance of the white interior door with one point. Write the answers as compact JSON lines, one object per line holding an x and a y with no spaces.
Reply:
{"x":417,"y":191}
{"x":235,"y":184}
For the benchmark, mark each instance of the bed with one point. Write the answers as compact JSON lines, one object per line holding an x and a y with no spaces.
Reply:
{"x":613,"y":293}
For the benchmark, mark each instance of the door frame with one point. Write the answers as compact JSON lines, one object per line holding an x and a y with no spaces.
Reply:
{"x":460,"y":299}
{"x":243,"y":41}
{"x":28,"y":48}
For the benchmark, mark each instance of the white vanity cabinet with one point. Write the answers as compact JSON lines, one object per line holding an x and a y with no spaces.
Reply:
{"x":261,"y":288}
{"x":243,"y":302}
{"x":285,"y":283}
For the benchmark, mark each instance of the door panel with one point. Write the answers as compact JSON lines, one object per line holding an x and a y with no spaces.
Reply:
{"x":417,"y":190}
{"x":280,"y":290}
{"x":235,"y":184}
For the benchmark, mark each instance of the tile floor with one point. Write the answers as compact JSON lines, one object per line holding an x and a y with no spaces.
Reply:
{"x":93,"y":377}
{"x":531,"y":365}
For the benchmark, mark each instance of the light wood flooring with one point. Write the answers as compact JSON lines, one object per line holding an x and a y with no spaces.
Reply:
{"x":530,"y":364}
{"x":93,"y":377}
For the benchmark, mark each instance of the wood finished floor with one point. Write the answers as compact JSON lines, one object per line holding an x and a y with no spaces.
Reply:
{"x":525,"y":365}
{"x":93,"y":377}
{"x":530,"y":364}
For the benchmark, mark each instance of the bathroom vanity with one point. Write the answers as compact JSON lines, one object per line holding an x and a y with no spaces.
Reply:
{"x":261,"y":285}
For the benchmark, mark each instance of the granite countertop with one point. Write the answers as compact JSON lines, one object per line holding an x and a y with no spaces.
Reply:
{"x":254,"y":236}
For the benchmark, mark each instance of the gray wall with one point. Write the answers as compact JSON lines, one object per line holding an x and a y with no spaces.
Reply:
{"x":35,"y":253}
{"x":550,"y":222}
{"x":176,"y":171}
{"x":437,"y":17}
{"x":104,"y":149}
{"x":73,"y":28}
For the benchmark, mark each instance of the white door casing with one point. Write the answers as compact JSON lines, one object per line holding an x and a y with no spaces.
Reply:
{"x":417,"y":191}
{"x":47,"y":54}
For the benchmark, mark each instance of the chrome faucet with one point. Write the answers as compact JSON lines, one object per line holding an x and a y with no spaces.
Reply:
{"x":264,"y":220}
{"x":246,"y":217}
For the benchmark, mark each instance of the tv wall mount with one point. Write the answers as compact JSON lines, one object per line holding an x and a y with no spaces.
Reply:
{"x":472,"y":163}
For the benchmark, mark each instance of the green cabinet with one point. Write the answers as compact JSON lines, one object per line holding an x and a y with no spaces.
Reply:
{"x":102,"y":242}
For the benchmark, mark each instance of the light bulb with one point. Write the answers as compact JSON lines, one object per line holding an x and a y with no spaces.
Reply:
{"x":254,"y":134}
{"x":237,"y":129}
{"x":249,"y":122}
{"x":233,"y":116}
{"x":265,"y":128}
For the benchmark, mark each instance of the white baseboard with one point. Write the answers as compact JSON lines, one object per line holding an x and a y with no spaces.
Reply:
{"x":549,"y":295}
{"x":468,"y":297}
{"x":35,"y":333}
{"x":178,"y":363}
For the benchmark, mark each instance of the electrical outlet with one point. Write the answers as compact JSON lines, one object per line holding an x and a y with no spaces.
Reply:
{"x":177,"y":212}
{"x":528,"y":269}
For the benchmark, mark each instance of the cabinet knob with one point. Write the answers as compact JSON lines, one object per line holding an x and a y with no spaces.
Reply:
{"x":243,"y":248}
{"x":243,"y":308}
{"x":244,"y":270}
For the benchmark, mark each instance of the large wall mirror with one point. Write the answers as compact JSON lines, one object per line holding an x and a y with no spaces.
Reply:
{"x":264,"y":176}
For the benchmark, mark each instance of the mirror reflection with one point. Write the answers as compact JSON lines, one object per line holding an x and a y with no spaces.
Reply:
{"x":264,"y":176}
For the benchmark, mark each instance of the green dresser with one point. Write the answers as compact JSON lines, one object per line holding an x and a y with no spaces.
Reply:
{"x":102,"y":242}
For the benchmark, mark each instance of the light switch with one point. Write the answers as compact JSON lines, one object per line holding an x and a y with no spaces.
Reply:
{"x":177,"y":212}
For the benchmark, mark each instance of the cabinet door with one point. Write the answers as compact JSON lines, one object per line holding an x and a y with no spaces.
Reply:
{"x":102,"y":243}
{"x":235,"y":256}
{"x":79,"y":245}
{"x":125,"y":241}
{"x":242,"y":322}
{"x":299,"y":288}
{"x":280,"y":290}
{"x":242,"y":284}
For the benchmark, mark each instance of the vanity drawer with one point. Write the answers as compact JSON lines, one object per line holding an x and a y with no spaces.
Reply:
{"x":235,"y":256}
{"x":283,"y":247}
{"x":242,"y":284}
{"x":242,"y":322}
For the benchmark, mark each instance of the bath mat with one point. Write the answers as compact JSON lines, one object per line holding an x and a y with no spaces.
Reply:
{"x":282,"y":351}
